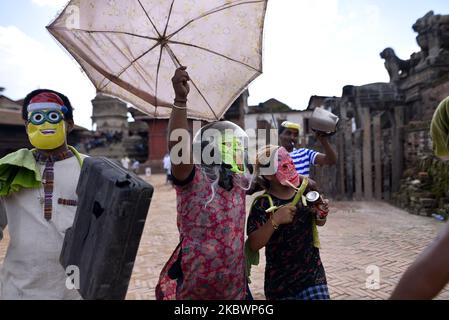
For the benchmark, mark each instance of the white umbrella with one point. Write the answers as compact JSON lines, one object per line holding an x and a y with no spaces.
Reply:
{"x":131,"y":48}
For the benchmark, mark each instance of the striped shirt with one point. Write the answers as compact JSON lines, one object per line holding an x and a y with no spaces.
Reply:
{"x":303,"y":159}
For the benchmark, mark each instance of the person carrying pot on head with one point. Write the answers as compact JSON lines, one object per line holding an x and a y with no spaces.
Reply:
{"x":305,"y":158}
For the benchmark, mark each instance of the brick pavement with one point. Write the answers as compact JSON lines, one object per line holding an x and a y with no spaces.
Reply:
{"x":357,"y":235}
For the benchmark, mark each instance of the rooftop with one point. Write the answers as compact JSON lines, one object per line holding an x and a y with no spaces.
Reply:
{"x":11,"y":117}
{"x":270,"y":106}
{"x":7,"y":103}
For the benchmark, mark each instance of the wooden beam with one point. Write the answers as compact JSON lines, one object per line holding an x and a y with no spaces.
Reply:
{"x":377,"y":146}
{"x":341,"y":174}
{"x":367,"y":155}
{"x":398,"y":147}
{"x":387,"y":157}
{"x":349,"y":158}
{"x":358,"y":178}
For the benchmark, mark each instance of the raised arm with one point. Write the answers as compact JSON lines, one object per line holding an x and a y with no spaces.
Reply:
{"x":178,"y":128}
{"x":428,"y":274}
{"x":329,"y":157}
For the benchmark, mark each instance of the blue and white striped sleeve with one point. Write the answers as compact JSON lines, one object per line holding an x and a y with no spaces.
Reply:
{"x":312,"y":156}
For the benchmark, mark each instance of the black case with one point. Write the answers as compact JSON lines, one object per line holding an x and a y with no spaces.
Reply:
{"x":112,"y":208}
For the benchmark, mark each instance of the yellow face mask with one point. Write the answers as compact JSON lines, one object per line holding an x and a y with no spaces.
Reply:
{"x":46,"y":129}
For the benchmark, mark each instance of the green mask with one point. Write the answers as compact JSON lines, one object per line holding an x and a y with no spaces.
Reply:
{"x":232,"y":154}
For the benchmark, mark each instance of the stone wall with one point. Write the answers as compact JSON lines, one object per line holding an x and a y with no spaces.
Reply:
{"x":424,"y":188}
{"x":417,"y":144}
{"x":110,"y":114}
{"x":384,"y":157}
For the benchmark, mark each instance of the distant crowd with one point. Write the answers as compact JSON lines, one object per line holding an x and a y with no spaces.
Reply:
{"x":102,"y":139}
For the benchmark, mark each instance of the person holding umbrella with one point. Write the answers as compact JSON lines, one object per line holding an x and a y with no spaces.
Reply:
{"x":134,"y":64}
{"x":209,"y":262}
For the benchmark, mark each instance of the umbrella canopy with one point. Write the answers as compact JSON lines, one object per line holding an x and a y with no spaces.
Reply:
{"x":131,"y":48}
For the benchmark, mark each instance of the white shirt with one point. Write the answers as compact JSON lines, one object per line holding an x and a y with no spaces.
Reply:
{"x":136,"y":165}
{"x":167,"y":164}
{"x":125,"y":163}
{"x":31,"y":269}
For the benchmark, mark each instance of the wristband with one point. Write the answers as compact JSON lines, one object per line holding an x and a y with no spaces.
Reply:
{"x":274,"y":224}
{"x":178,"y":107}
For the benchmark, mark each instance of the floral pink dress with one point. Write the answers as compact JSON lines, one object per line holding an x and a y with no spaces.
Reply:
{"x":212,"y":244}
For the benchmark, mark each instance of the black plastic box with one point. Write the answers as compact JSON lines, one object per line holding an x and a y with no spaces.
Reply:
{"x":112,"y":208}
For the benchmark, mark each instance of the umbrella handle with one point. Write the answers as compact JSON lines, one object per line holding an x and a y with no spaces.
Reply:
{"x":173,"y":57}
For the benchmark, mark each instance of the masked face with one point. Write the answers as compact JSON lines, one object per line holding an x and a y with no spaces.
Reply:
{"x":46,"y":129}
{"x":286,"y":169}
{"x":233,"y":154}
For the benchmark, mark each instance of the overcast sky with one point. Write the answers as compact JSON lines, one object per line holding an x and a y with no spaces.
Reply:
{"x":312,"y":47}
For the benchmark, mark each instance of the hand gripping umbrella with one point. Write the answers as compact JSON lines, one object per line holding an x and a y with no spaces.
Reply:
{"x":130,"y":49}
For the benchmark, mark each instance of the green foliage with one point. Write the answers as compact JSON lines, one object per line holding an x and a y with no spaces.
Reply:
{"x":443,"y":213}
{"x":438,"y":173}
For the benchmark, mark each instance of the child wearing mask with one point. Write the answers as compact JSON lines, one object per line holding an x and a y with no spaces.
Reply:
{"x":287,"y":231}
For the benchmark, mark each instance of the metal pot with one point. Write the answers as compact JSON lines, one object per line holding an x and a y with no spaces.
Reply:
{"x":324,"y":121}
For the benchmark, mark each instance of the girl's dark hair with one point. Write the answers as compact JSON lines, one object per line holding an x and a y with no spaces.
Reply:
{"x":67,"y":116}
{"x":263,"y":183}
